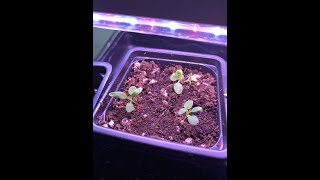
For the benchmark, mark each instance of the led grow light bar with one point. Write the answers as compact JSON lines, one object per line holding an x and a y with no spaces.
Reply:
{"x":177,"y":29}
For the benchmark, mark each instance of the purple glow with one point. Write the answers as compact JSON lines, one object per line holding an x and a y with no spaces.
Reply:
{"x":218,"y":31}
{"x":173,"y":26}
{"x":96,"y":17}
{"x":198,"y":32}
{"x":195,"y":28}
{"x":132,"y":21}
{"x":153,"y":23}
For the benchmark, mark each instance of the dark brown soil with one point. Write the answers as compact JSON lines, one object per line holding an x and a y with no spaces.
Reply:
{"x":156,"y":111}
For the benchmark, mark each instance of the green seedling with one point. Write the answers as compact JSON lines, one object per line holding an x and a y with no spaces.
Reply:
{"x":133,"y":92}
{"x":192,"y":119}
{"x":177,"y":76}
{"x":191,"y":78}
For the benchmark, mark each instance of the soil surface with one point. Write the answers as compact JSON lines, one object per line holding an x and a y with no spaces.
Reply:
{"x":156,"y":109}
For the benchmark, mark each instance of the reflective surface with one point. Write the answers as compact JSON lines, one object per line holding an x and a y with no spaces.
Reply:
{"x":100,"y":37}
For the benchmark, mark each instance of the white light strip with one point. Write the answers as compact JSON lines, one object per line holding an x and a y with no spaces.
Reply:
{"x":178,"y":29}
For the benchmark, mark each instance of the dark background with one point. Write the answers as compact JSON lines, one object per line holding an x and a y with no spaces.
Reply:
{"x":201,"y":11}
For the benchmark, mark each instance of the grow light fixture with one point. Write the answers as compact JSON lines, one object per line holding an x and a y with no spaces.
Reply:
{"x":172,"y":25}
{"x":195,"y":28}
{"x":177,"y":29}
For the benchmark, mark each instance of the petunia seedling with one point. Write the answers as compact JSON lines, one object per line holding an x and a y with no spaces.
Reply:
{"x":177,"y":76}
{"x":191,"y":78}
{"x":192,"y":119}
{"x":133,"y":92}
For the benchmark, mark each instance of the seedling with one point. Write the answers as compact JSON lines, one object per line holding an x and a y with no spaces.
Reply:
{"x":133,"y":91}
{"x":191,"y":78}
{"x":177,"y":76}
{"x":192,"y":119}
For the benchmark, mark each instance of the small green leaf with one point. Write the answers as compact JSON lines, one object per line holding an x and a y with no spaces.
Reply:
{"x":129,"y":107}
{"x":173,"y":77}
{"x":182,"y":111}
{"x":188,"y":104}
{"x":179,"y":74}
{"x":132,"y":89}
{"x":177,"y":88}
{"x":193,"y":120}
{"x":118,"y":94}
{"x":196,"y":109}
{"x":137,"y":91}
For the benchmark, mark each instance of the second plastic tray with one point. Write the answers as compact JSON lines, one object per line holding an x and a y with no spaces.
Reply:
{"x":101,"y":72}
